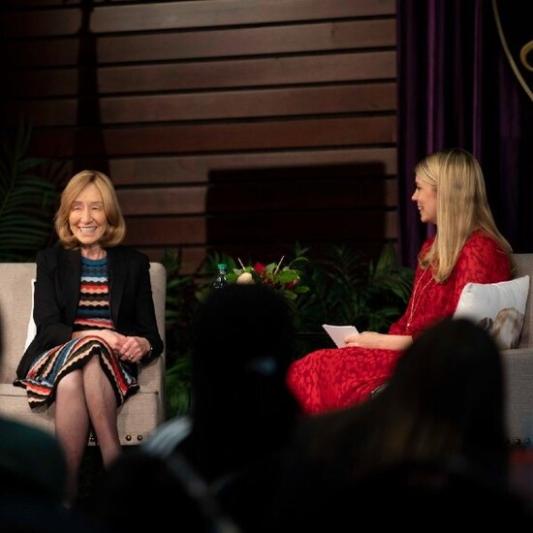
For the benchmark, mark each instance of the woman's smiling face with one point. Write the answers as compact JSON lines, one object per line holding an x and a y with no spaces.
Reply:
{"x":425,"y":197}
{"x":87,"y":219}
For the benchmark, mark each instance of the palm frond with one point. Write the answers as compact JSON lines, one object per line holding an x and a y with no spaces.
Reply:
{"x":26,"y":200}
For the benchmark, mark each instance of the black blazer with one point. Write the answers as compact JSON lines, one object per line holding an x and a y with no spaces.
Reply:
{"x":57,"y":292}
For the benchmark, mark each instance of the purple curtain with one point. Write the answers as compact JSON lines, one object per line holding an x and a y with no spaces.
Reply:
{"x":456,"y":88}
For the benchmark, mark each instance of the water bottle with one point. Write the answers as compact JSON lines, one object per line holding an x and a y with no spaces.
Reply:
{"x":220,"y":281}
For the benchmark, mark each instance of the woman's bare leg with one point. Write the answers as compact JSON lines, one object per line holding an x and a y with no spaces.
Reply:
{"x":102,"y":407}
{"x":72,"y":426}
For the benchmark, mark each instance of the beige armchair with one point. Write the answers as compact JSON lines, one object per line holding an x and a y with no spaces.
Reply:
{"x":137,"y":417}
{"x":518,"y":368}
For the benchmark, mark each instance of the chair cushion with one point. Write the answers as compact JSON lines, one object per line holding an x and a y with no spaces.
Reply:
{"x":31,"y":329}
{"x":135,"y":418}
{"x":497,"y":307}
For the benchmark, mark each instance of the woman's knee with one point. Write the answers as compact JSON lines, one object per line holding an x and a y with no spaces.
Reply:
{"x":92,"y":366}
{"x":71,"y":383}
{"x":94,"y":377}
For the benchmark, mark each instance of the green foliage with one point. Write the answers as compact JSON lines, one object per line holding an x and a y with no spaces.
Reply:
{"x":177,"y":386}
{"x":26,"y":200}
{"x":347,"y":289}
{"x":181,"y":304}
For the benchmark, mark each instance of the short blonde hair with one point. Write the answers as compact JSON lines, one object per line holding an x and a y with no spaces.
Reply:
{"x":462,"y":207}
{"x":116,"y":227}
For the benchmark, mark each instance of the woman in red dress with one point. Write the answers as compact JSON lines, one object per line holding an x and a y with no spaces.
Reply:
{"x":450,"y":192}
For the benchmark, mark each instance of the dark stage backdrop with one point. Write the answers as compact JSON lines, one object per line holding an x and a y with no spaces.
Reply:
{"x":242,"y":125}
{"x":457,"y":88}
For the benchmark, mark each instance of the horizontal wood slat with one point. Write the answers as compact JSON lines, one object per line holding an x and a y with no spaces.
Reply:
{"x":301,"y":226}
{"x":216,"y":137}
{"x":329,"y":194}
{"x":196,"y":169}
{"x":181,"y":15}
{"x":191,"y":256}
{"x":166,"y":231}
{"x":209,"y":74}
{"x":215,"y":13}
{"x":330,"y":36}
{"x":20,"y":4}
{"x":219,"y":105}
{"x":349,"y":226}
{"x":38,"y":23}
{"x":275,"y":196}
{"x":163,"y":201}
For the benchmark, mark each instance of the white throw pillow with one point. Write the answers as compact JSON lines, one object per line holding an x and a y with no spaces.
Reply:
{"x":31,"y":330}
{"x":497,"y":307}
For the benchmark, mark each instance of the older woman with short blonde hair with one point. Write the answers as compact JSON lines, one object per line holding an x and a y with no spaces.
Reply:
{"x":116,"y":230}
{"x":95,"y":321}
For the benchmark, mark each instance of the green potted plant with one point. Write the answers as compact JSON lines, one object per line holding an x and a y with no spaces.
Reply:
{"x":346,"y":288}
{"x":181,"y":302}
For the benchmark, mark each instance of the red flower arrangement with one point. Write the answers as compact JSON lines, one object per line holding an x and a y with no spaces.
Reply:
{"x":286,"y":279}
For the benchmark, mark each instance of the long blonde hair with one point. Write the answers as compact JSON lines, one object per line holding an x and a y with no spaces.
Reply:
{"x":116,"y":227}
{"x":462,"y":207}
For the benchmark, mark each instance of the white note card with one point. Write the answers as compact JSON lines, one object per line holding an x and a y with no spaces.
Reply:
{"x":339,"y":333}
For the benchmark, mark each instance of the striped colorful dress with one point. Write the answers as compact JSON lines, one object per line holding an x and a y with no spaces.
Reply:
{"x":93,"y":313}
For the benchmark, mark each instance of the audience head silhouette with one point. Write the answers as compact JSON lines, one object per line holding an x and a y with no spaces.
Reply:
{"x":446,"y":398}
{"x":443,"y":403}
{"x":242,"y":346}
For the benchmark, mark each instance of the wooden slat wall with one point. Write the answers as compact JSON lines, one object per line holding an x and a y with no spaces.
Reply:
{"x":243,"y":125}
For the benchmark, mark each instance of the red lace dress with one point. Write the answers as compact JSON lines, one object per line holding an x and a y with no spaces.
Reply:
{"x":335,"y":378}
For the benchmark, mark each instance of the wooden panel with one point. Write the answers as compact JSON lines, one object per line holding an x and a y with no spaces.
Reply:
{"x":215,"y":13}
{"x":274,"y":196}
{"x":329,"y":36}
{"x":11,"y":4}
{"x":203,"y":105}
{"x":209,"y":74}
{"x":362,"y":226}
{"x":239,"y":42}
{"x":195,"y":169}
{"x":192,"y":14}
{"x":216,"y":137}
{"x":219,"y":105}
{"x":163,"y":201}
{"x":53,"y":52}
{"x":191,"y":256}
{"x":41,"y":83}
{"x":163,"y":231}
{"x":41,"y":23}
{"x":243,"y":197}
{"x":19,"y":4}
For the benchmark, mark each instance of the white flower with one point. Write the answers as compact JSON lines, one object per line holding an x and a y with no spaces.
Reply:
{"x":245,"y":278}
